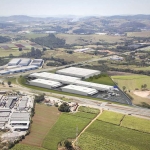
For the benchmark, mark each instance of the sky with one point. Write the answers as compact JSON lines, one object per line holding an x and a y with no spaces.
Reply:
{"x":74,"y":7}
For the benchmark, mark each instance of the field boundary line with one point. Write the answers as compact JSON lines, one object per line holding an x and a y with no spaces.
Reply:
{"x":101,"y":110}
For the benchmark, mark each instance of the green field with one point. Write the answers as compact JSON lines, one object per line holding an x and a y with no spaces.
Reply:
{"x":132,"y":81}
{"x":136,"y":123}
{"x":102,"y":80}
{"x":26,"y":147}
{"x":88,"y":110}
{"x":65,"y":128}
{"x":34,"y":35}
{"x":105,"y":136}
{"x":43,"y":120}
{"x":111,"y":117}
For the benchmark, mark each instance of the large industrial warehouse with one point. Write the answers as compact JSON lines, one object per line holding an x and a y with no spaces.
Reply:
{"x":45,"y":83}
{"x":79,"y":90}
{"x":14,"y":62}
{"x":71,"y":80}
{"x":55,"y":77}
{"x":37,"y":62}
{"x":78,"y":72}
{"x":25,"y":62}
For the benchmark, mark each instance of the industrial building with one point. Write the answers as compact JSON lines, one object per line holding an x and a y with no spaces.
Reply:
{"x":45,"y":83}
{"x":79,"y":90}
{"x":37,"y":62}
{"x":11,"y":102}
{"x":99,"y":87}
{"x":23,"y":104}
{"x":4,"y":72}
{"x":14,"y":62}
{"x":24,"y":62}
{"x":20,"y":120}
{"x":55,"y":77}
{"x":78,"y":72}
{"x":71,"y":80}
{"x":23,"y":69}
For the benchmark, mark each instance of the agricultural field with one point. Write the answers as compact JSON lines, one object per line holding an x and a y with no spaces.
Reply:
{"x":136,"y":123}
{"x":65,"y":128}
{"x":26,"y":147}
{"x":87,"y":39}
{"x":34,"y":35}
{"x":139,"y":34}
{"x":102,"y":80}
{"x":111,"y":117}
{"x":105,"y":136}
{"x":43,"y":120}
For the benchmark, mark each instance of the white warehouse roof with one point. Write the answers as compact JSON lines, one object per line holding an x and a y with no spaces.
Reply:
{"x":100,"y":87}
{"x":45,"y":83}
{"x":14,"y":61}
{"x":78,"y":72}
{"x":79,"y":90}
{"x":25,"y":62}
{"x":55,"y":77}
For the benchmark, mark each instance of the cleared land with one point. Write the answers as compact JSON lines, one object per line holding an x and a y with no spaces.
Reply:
{"x":88,"y":110}
{"x":65,"y":128}
{"x":105,"y":136}
{"x":111,"y":117}
{"x":26,"y":147}
{"x":43,"y":120}
{"x":136,"y":123}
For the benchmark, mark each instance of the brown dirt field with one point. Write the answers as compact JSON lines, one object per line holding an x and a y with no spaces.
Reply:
{"x":43,"y":120}
{"x":144,"y":94}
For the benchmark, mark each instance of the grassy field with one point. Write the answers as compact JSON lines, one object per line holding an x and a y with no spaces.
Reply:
{"x":34,"y":35}
{"x":132,"y":81}
{"x":111,"y":117}
{"x":136,"y":123}
{"x":81,"y":39}
{"x":88,"y":110}
{"x":65,"y":128}
{"x":26,"y":147}
{"x":76,"y":57}
{"x":139,"y":34}
{"x":102,"y":80}
{"x":105,"y":136}
{"x":43,"y":120}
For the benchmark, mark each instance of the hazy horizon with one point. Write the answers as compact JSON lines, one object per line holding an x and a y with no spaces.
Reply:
{"x":77,"y":8}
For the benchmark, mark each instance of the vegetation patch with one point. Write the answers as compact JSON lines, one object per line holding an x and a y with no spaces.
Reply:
{"x":111,"y":117}
{"x":136,"y":123}
{"x":88,"y":110}
{"x":102,"y":136}
{"x":101,"y":79}
{"x":65,"y":128}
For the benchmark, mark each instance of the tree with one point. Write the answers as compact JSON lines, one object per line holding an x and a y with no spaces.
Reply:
{"x":20,"y":49}
{"x":145,"y":86}
{"x":3,"y":83}
{"x":64,"y":107}
{"x":9,"y":83}
{"x":123,"y":88}
{"x":39,"y":98}
{"x":68,"y":145}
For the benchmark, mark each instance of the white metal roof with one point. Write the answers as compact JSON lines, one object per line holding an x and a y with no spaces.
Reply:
{"x":81,"y":89}
{"x":25,"y":61}
{"x":14,"y":61}
{"x":54,"y":77}
{"x":19,"y":115}
{"x":46,"y":82}
{"x":74,"y":71}
{"x":23,"y":68}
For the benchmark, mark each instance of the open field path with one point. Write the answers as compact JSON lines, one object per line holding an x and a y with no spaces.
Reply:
{"x":101,"y":110}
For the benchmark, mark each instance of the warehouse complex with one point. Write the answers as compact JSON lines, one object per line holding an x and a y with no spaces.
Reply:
{"x":78,"y":72}
{"x":15,"y":112}
{"x":18,"y":65}
{"x":71,"y":82}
